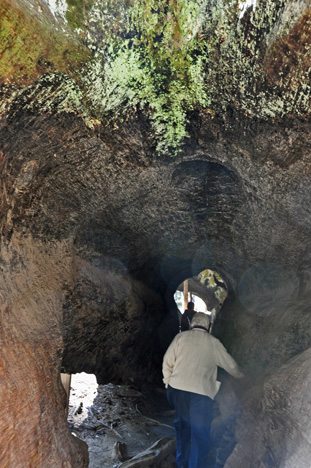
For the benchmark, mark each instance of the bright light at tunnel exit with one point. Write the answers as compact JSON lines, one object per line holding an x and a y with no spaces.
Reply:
{"x":199,"y":304}
{"x":84,"y":386}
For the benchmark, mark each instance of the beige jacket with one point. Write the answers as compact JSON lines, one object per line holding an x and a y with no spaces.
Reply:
{"x":191,"y":361}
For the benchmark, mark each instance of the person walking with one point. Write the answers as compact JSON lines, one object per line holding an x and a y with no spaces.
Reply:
{"x":190,"y":376}
{"x":187,"y":317}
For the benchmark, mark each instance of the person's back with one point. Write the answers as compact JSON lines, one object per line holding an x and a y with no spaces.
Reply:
{"x":190,"y":376}
{"x":187,"y":317}
{"x":195,"y":366}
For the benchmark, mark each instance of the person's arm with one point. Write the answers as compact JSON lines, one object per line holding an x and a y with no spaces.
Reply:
{"x":226,"y":361}
{"x":169,"y":361}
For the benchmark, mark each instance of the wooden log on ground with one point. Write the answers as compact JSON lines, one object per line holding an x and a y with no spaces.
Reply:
{"x":153,"y":456}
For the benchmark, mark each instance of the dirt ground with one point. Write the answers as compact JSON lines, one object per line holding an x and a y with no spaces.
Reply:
{"x":106,"y":415}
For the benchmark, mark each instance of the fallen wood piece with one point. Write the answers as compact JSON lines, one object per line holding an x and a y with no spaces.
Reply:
{"x":119,"y":450}
{"x":153,"y":455}
{"x":158,"y":423}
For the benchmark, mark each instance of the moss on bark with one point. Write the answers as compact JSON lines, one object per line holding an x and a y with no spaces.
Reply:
{"x":167,"y":58}
{"x":29,"y":48}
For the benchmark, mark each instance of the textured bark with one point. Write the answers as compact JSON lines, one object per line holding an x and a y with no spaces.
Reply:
{"x":32,"y":419}
{"x":98,"y":230}
{"x":276,"y":430}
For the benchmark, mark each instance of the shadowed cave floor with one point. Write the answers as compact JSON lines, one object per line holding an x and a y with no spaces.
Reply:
{"x":102,"y":415}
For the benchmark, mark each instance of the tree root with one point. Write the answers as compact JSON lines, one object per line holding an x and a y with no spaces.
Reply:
{"x":153,"y":455}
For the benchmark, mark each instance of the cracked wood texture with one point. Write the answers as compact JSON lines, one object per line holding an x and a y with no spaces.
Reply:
{"x":98,"y":229}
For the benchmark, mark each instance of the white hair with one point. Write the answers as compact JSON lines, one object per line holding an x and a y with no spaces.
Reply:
{"x":200,"y":320}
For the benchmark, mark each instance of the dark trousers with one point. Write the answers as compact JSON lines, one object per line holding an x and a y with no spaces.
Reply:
{"x":192,"y":421}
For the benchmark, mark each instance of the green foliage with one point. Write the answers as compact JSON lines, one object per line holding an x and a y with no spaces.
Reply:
{"x":30,"y":47}
{"x":160,"y":65}
{"x":153,"y":58}
{"x":171,"y":56}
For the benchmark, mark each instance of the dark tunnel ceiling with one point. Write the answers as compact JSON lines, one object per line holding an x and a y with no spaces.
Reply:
{"x":213,"y":194}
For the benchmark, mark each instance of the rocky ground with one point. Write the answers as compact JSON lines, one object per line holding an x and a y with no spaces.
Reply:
{"x":118,"y":422}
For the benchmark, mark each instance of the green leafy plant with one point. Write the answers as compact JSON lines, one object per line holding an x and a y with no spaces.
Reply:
{"x":171,"y":56}
{"x":149,"y":54}
{"x":159,"y":65}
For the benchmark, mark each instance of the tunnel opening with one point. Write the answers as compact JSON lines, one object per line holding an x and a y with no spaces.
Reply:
{"x":209,"y":291}
{"x":121,"y":421}
{"x":206,"y":290}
